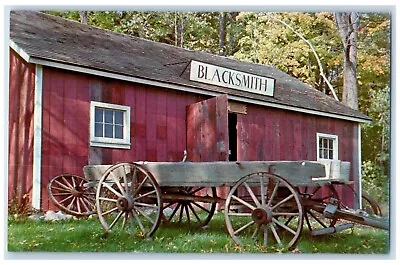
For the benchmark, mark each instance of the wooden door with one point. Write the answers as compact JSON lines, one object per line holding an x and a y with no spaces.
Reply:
{"x":207,"y":130}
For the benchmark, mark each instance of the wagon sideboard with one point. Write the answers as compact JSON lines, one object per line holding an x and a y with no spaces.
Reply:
{"x":227,"y":173}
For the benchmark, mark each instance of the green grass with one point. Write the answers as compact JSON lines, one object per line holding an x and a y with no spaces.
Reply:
{"x":87,"y":235}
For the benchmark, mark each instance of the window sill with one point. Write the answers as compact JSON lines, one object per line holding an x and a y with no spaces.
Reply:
{"x":110,"y":145}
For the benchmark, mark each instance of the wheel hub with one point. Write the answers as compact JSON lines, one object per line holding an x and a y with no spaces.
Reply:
{"x":77,"y":191}
{"x":125,"y":203}
{"x":261,"y":216}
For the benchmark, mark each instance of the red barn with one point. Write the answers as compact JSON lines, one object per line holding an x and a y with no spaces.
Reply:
{"x":82,"y":95}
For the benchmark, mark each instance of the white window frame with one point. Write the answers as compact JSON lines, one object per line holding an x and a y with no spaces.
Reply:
{"x":335,"y":145}
{"x":124,"y":143}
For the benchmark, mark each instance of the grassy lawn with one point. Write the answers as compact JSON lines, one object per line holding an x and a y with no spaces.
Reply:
{"x":86,"y":235}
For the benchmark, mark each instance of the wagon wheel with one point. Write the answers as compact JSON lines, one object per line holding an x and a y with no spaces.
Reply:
{"x":370,"y":205}
{"x":190,"y":210}
{"x":314,"y":218}
{"x":264,"y":208}
{"x":128,"y":198}
{"x":71,"y":194}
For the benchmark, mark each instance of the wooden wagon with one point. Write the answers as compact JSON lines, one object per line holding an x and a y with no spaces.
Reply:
{"x":268,"y":201}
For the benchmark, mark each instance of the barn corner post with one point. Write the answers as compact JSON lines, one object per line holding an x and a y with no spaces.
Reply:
{"x":37,"y":142}
{"x":359,"y":199}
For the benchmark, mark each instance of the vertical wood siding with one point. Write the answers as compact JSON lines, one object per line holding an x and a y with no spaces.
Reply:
{"x":272,"y":134}
{"x":20,"y":128}
{"x":158,"y":123}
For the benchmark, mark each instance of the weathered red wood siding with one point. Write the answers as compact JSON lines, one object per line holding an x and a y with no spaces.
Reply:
{"x":158,"y":123}
{"x":273,"y":134}
{"x":20,"y":130}
{"x":207,"y":130}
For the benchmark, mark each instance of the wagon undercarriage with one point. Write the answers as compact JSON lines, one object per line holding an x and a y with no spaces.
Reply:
{"x":268,"y":202}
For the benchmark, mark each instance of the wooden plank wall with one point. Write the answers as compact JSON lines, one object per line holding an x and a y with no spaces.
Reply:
{"x":273,"y":134}
{"x":20,"y":128}
{"x":158,"y":123}
{"x":207,"y":130}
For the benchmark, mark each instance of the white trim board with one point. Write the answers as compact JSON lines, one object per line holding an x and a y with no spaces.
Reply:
{"x":37,"y":138}
{"x":180,"y":87}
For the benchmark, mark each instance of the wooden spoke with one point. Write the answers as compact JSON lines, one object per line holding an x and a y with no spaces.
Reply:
{"x":66,"y":182}
{"x":145,"y":215}
{"x":252,"y":194}
{"x":138,"y":221}
{"x":126,"y":215}
{"x":146,"y":195}
{"x":256,"y":231}
{"x":284,"y":226}
{"x":282,"y":202}
{"x":273,"y":194}
{"x":67,"y":198}
{"x":107,"y":199}
{"x":110,"y":188}
{"x":130,"y":215}
{"x":243,"y":202}
{"x":275,"y":233}
{"x":61,"y":189}
{"x":243,"y":227}
{"x":69,"y":207}
{"x":62,"y":194}
{"x":140,"y":186}
{"x":239,"y":214}
{"x":265,"y":235}
{"x":264,"y":191}
{"x":116,"y":219}
{"x":109,"y":211}
{"x":201,"y":207}
{"x":284,"y":214}
{"x":117,"y":181}
{"x":194,"y":211}
{"x":67,"y":188}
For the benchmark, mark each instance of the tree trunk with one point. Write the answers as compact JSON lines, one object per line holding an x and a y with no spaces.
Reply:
{"x":83,"y":17}
{"x":222,"y":33}
{"x":347,"y":24}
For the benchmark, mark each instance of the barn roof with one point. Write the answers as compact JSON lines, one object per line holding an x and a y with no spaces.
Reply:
{"x":54,"y":41}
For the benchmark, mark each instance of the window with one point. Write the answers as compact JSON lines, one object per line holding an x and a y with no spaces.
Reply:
{"x":109,"y":125}
{"x":327,"y":146}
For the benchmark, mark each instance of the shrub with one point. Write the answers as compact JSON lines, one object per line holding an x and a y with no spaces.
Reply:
{"x":375,"y":182}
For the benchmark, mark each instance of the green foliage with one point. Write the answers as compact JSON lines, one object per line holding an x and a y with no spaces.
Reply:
{"x":87,"y":235}
{"x":376,"y":135}
{"x":20,"y":207}
{"x":375,"y":182}
{"x":272,"y":43}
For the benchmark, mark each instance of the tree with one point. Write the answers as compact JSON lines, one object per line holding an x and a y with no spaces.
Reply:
{"x":347,"y":25}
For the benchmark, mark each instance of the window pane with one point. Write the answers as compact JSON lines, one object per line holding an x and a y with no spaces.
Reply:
{"x":98,"y":129}
{"x":325,"y":142}
{"x":330,"y":154}
{"x":119,"y":132}
{"x":119,"y":117}
{"x":108,"y":116}
{"x":98,"y":115}
{"x":330,"y":144}
{"x":108,"y":132}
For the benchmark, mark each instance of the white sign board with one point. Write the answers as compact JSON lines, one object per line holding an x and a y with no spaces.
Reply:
{"x":220,"y":76}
